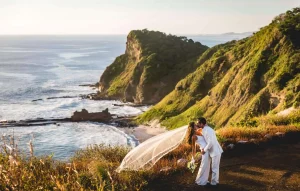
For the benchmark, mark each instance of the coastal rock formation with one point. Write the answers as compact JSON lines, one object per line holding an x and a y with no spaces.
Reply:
{"x":238,"y":80}
{"x":84,"y":115}
{"x":150,"y":68}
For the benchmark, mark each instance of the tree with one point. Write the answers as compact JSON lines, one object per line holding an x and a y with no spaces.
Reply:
{"x":290,"y":25}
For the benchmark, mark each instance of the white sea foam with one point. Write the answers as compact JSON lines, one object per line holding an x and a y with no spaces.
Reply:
{"x":65,"y":139}
{"x":71,"y":55}
{"x":62,"y":108}
{"x":18,"y":75}
{"x":19,"y":63}
{"x":21,"y":51}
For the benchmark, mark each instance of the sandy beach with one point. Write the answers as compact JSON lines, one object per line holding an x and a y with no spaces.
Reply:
{"x":144,"y":132}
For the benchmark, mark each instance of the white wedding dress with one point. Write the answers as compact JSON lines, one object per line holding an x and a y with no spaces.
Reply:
{"x":201,"y":142}
{"x":204,"y":168}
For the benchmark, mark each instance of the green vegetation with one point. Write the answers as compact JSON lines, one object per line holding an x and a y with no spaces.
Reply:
{"x":150,"y":68}
{"x":195,"y":86}
{"x":237,"y":80}
{"x":289,"y":24}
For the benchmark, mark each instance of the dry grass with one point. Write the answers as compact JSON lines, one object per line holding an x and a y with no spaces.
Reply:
{"x":92,"y":168}
{"x":259,"y":133}
{"x":262,"y":127}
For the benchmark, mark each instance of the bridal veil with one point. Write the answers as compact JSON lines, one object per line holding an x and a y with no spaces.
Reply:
{"x":145,"y":155}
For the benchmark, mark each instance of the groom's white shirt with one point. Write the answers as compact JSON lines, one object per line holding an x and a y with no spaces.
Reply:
{"x":213,"y":147}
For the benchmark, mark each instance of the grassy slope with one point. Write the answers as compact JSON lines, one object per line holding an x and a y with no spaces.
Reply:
{"x":238,"y":80}
{"x":151,"y":66}
{"x":195,"y":86}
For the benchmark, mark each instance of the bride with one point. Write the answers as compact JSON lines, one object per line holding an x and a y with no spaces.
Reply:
{"x":195,"y":137}
{"x":145,"y":155}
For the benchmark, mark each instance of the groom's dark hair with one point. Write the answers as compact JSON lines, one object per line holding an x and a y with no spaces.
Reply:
{"x":202,"y":120}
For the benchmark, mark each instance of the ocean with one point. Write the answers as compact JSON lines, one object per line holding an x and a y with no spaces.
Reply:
{"x":43,"y":67}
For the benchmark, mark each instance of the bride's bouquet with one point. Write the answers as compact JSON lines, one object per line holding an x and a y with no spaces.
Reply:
{"x":192,"y":165}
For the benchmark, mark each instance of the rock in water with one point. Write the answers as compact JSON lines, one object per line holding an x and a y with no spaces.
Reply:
{"x":84,"y":115}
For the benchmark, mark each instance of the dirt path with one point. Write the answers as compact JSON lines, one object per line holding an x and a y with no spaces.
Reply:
{"x":275,"y":168}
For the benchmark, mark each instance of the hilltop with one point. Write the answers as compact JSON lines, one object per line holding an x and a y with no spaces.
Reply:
{"x":150,"y":67}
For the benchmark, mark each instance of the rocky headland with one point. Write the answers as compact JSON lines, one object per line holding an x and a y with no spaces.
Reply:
{"x":150,"y":67}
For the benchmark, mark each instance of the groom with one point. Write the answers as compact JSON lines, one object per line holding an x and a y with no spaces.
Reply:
{"x":214,"y":150}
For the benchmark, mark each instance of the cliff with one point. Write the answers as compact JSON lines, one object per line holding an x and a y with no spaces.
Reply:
{"x":238,"y":80}
{"x":150,"y":67}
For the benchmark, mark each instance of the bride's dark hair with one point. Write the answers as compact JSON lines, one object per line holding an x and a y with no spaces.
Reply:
{"x":190,"y":132}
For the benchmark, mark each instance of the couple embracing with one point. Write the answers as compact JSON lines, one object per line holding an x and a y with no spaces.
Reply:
{"x":146,"y":154}
{"x":204,"y":136}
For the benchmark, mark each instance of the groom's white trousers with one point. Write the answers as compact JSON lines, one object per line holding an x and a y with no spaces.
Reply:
{"x":203,"y":173}
{"x":215,"y":165}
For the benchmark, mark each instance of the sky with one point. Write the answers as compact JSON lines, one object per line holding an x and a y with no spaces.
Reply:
{"x":122,"y":16}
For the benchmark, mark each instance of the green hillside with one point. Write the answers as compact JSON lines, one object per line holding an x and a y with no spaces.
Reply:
{"x":240,"y":79}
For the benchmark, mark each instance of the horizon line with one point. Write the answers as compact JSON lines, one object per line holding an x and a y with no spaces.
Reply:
{"x":122,"y":34}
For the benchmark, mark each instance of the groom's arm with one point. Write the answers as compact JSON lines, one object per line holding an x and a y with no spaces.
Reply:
{"x":208,"y":140}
